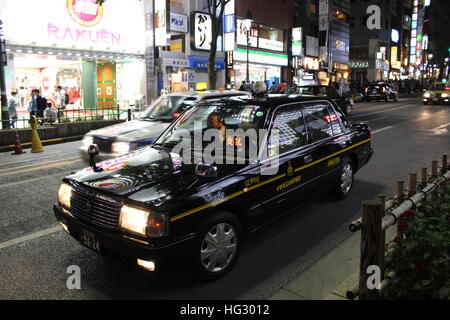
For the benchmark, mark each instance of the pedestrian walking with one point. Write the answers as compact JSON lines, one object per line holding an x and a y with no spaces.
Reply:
{"x":273,"y":88}
{"x":283,"y":87}
{"x":243,"y":86}
{"x":32,"y":106}
{"x":13,"y":103}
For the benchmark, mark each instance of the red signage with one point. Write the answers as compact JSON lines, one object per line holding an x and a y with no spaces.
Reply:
{"x":85,"y":12}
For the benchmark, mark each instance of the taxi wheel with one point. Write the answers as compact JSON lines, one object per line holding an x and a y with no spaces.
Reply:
{"x":346,"y":177}
{"x":218,"y":246}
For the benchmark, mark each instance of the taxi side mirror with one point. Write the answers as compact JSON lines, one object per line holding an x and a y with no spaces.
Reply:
{"x":208,"y":171}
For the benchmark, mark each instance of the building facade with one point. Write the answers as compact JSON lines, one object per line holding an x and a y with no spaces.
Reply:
{"x":78,"y":45}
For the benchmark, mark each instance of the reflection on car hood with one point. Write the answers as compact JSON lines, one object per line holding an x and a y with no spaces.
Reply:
{"x":132,"y":131}
{"x":146,"y":168}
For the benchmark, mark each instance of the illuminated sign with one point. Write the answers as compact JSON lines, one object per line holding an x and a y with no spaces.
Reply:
{"x":85,"y":12}
{"x":261,"y":57}
{"x":311,"y":63}
{"x":161,"y":22}
{"x":395,"y":36}
{"x":75,"y":24}
{"x":297,"y":42}
{"x":202,"y":31}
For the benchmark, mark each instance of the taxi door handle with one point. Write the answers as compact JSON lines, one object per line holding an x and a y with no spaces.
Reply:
{"x":307,"y":159}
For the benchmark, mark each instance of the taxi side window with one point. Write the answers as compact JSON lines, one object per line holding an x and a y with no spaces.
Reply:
{"x":291,"y":128}
{"x":322,"y":121}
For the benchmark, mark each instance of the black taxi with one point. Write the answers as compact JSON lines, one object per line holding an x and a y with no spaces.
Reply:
{"x":223,"y":169}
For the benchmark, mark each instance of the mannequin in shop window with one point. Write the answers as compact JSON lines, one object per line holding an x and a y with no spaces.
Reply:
{"x":60,"y":101}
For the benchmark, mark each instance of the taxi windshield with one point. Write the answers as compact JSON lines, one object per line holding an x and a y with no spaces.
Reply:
{"x":439,"y":87}
{"x":167,"y":108}
{"x":224,"y":118}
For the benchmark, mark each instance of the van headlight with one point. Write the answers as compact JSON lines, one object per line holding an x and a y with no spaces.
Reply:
{"x":143,"y":222}
{"x":120,"y":147}
{"x":444,"y":95}
{"x":64,"y":194}
{"x":427,"y":95}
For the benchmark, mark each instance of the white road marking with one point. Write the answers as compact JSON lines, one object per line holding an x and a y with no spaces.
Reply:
{"x":29,"y":237}
{"x":12,"y":184}
{"x":383,"y":111}
{"x":441,"y":129}
{"x":382,"y":129}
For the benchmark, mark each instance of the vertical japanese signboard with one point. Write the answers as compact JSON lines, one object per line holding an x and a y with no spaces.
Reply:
{"x":297,"y":42}
{"x":229,"y":26}
{"x":323,"y":30}
{"x":202,"y":31}
{"x":162,"y":22}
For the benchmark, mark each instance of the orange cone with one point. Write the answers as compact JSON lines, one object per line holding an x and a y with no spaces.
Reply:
{"x":17,"y":145}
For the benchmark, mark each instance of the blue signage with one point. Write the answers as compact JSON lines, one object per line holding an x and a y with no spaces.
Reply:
{"x":201,"y":62}
{"x":228,"y":23}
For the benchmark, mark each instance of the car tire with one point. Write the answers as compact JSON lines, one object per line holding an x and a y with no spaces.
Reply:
{"x":387,"y":99}
{"x":346,"y":179}
{"x":425,"y":103}
{"x":222,"y":235}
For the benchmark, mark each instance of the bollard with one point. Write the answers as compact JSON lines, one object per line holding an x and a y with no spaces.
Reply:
{"x":36,"y":145}
{"x":371,"y":241}
{"x":412,"y":184}
{"x":424,"y":177}
{"x":444,"y":164}
{"x":400,"y":191}
{"x":129,"y":114}
{"x":434,"y":168}
{"x":382,"y":199}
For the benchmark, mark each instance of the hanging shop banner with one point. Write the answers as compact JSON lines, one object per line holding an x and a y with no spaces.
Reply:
{"x":178,"y":22}
{"x":311,"y":63}
{"x":162,"y":23}
{"x":80,"y":24}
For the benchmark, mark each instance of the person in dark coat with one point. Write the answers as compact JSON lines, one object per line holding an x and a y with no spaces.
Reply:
{"x":41,"y":104}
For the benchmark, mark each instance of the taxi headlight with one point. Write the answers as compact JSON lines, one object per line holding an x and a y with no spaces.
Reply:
{"x":444,"y":95}
{"x":143,"y":222}
{"x":427,"y":95}
{"x":88,"y":140}
{"x":120,"y":147}
{"x":64,"y":194}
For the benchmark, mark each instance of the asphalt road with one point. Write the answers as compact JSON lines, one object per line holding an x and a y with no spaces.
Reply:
{"x":35,"y":253}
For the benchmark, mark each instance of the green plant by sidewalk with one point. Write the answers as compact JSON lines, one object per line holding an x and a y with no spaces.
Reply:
{"x":421,"y":259}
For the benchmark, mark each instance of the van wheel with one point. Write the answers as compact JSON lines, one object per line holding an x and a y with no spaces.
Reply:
{"x":346,"y":177}
{"x":218,"y":246}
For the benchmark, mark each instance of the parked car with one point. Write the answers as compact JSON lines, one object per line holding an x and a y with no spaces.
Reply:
{"x":345,"y":102}
{"x":438,"y":93}
{"x":119,"y":139}
{"x":381,"y":91}
{"x":153,"y":205}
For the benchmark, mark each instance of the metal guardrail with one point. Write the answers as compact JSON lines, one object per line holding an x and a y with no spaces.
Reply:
{"x":379,"y":215}
{"x":74,"y":115}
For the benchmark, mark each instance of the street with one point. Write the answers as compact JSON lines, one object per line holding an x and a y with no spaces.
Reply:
{"x":35,"y":252}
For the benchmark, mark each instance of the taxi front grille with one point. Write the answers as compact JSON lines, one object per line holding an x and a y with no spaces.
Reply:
{"x":95,"y":209}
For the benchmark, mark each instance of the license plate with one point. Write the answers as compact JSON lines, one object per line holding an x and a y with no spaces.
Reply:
{"x":89,"y":240}
{"x":435,"y":99}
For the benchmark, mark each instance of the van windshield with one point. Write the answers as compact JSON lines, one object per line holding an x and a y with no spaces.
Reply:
{"x":167,"y":108}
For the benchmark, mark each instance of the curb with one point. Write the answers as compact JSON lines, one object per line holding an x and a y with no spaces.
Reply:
{"x":27,"y":145}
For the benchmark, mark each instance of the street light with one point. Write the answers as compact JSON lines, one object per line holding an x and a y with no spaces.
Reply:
{"x":248,"y":19}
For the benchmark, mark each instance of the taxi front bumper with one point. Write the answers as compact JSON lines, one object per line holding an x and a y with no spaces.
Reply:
{"x":125,"y":248}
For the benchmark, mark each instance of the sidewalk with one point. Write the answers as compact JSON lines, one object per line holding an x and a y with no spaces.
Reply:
{"x":331,"y":276}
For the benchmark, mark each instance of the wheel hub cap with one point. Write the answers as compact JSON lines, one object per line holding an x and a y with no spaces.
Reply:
{"x":218,"y":247}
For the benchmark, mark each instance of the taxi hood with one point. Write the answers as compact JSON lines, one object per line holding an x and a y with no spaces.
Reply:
{"x":145,"y":167}
{"x":132,"y":130}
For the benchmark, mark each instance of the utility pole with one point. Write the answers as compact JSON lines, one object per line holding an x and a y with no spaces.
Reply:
{"x":3,"y":61}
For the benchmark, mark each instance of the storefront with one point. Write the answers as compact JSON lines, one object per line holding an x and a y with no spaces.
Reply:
{"x":340,"y":71}
{"x":77,"y":45}
{"x":263,"y":66}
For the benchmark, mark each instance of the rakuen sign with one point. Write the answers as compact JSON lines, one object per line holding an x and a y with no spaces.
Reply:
{"x":83,"y":36}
